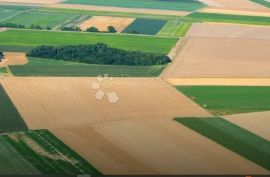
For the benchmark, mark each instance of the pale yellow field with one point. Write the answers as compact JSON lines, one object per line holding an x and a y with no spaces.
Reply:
{"x":31,"y":1}
{"x":14,"y":58}
{"x":221,"y":58}
{"x":218,"y":30}
{"x":65,"y":102}
{"x":148,"y":146}
{"x":103,"y":22}
{"x":257,"y":123}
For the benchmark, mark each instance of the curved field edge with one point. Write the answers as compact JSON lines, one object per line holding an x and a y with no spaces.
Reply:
{"x":31,"y":38}
{"x":44,"y":153}
{"x":46,"y":67}
{"x":233,"y":137}
{"x":262,"y":2}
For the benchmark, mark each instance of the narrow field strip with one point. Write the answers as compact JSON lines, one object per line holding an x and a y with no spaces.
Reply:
{"x":262,"y":2}
{"x":175,"y":29}
{"x":232,"y":137}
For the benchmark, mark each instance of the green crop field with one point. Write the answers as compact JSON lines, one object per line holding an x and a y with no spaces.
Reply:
{"x":3,"y":70}
{"x":226,"y":18}
{"x":221,"y":100}
{"x":175,"y":29}
{"x":7,"y":12}
{"x":10,"y":119}
{"x":127,"y":42}
{"x":145,"y":26}
{"x":181,"y":5}
{"x":262,"y":2}
{"x":42,"y":19}
{"x":40,"y":152}
{"x":77,"y":21}
{"x":42,"y":67}
{"x":233,"y":137}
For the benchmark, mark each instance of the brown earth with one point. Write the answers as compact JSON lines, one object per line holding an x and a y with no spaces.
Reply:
{"x":119,"y":9}
{"x":14,"y":58}
{"x":148,"y":146}
{"x":103,"y":22}
{"x":221,"y":58}
{"x":257,"y":123}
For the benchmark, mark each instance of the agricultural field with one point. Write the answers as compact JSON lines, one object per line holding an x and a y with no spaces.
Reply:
{"x":31,"y":38}
{"x":77,"y":21}
{"x":145,"y":26}
{"x":14,"y":58}
{"x":7,"y":12}
{"x":222,"y":100}
{"x":42,"y":67}
{"x":181,"y":5}
{"x":265,"y":3}
{"x":175,"y":29}
{"x":39,"y":152}
{"x":233,"y":137}
{"x":42,"y":19}
{"x":10,"y":119}
{"x":35,"y":2}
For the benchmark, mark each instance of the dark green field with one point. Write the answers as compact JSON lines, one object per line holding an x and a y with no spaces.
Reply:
{"x":262,"y":2}
{"x":241,"y":19}
{"x":233,"y":137}
{"x":41,"y":67}
{"x":10,"y":119}
{"x":40,"y":152}
{"x":222,"y":100}
{"x":31,"y":38}
{"x":145,"y":26}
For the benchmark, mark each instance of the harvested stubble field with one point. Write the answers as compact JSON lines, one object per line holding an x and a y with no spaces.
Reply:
{"x":39,"y":152}
{"x":14,"y":58}
{"x":221,"y":58}
{"x":103,"y":22}
{"x":218,"y":30}
{"x":257,"y":122}
{"x":147,"y":146}
{"x":139,"y":97}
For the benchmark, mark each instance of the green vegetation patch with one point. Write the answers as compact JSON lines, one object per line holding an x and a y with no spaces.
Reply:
{"x":175,"y":29}
{"x":145,"y":26}
{"x":42,"y":67}
{"x":39,"y":151}
{"x":213,"y":17}
{"x":182,"y":5}
{"x":262,"y":2}
{"x":233,"y":137}
{"x":7,"y":12}
{"x":3,"y":70}
{"x":10,"y":119}
{"x":222,"y":100}
{"x":27,"y":38}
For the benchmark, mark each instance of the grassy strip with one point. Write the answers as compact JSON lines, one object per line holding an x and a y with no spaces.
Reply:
{"x":48,"y":154}
{"x":3,"y":70}
{"x":232,"y":137}
{"x":222,"y":100}
{"x":175,"y":29}
{"x":10,"y":119}
{"x":41,"y":67}
{"x":226,"y":18}
{"x":30,"y":38}
{"x":262,"y":2}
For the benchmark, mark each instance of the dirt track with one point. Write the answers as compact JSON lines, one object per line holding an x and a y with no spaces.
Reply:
{"x":150,"y":146}
{"x":14,"y":58}
{"x":257,"y":123}
{"x":221,"y":58}
{"x":118,"y":9}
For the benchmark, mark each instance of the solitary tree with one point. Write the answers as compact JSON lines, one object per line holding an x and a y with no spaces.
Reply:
{"x":92,"y":29}
{"x":111,"y":29}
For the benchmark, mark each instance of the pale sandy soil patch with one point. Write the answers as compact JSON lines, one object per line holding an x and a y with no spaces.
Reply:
{"x":221,"y":58}
{"x":14,"y":58}
{"x":257,"y":123}
{"x":212,"y":3}
{"x":229,"y":31}
{"x":31,"y":1}
{"x":153,"y":147}
{"x":220,"y":81}
{"x":119,"y":9}
{"x":62,"y":102}
{"x":3,"y":29}
{"x":103,"y":22}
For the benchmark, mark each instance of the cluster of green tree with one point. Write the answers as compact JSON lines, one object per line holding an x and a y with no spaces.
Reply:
{"x":12,"y":25}
{"x":98,"y":54}
{"x":111,"y":29}
{"x":70,"y":29}
{"x":1,"y":55}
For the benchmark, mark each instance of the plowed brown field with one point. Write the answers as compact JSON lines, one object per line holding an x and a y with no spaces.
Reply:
{"x":14,"y":58}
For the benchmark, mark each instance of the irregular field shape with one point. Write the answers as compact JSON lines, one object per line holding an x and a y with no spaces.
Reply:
{"x":257,"y":122}
{"x":139,"y":97}
{"x":153,"y":147}
{"x":223,"y":58}
{"x":218,"y":30}
{"x":103,"y":22}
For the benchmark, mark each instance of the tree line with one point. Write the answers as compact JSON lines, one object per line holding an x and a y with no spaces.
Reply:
{"x":1,"y":56}
{"x":12,"y":25}
{"x":98,"y":54}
